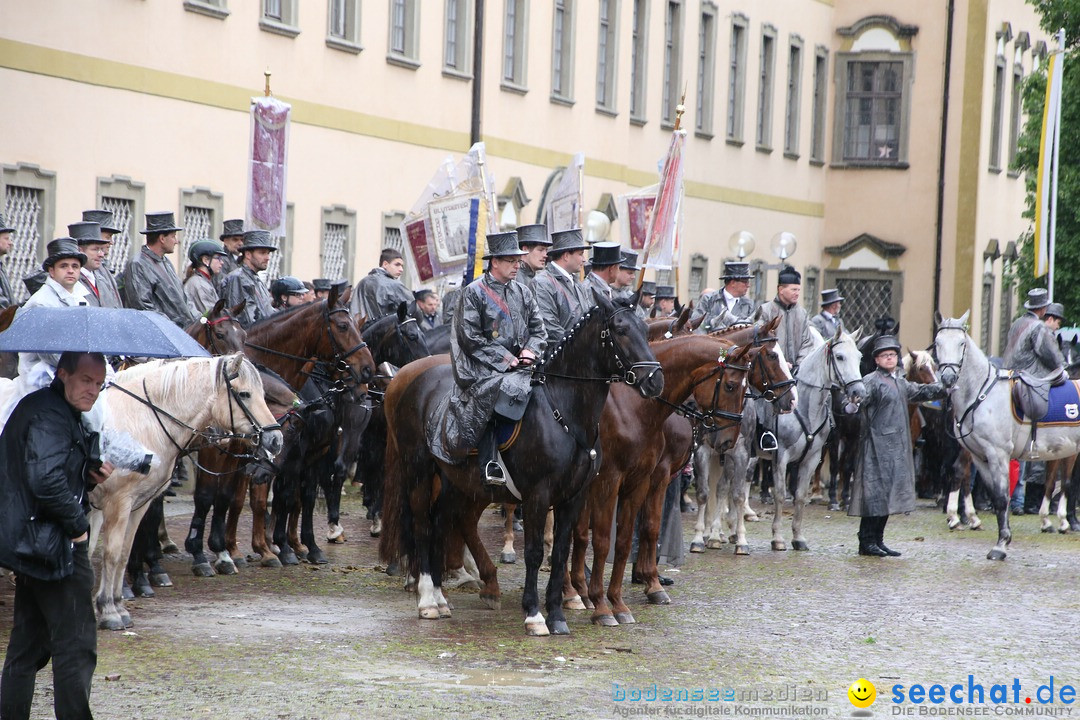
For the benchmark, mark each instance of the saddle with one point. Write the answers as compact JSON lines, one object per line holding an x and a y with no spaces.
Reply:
{"x":1031,"y":394}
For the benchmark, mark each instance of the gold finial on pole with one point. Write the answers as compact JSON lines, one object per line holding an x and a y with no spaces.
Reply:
{"x":680,"y":109}
{"x":266,"y":90}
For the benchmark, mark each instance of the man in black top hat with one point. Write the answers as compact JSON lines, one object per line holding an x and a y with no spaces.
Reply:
{"x":626,"y":277}
{"x":793,"y":334}
{"x":7,"y":241}
{"x":1036,"y":304}
{"x":728,"y":305}
{"x":605,"y":260}
{"x":665,"y":301}
{"x":648,"y":297}
{"x":244,"y":284}
{"x":559,"y":295}
{"x":381,"y":291}
{"x":536,"y":242}
{"x":232,"y":237}
{"x":828,"y":320}
{"x":322,"y":288}
{"x":150,"y":281}
{"x":88,"y":236}
{"x":427,"y":309}
{"x":108,"y":293}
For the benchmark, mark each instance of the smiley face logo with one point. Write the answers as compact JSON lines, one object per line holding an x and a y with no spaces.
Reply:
{"x":862,"y":693}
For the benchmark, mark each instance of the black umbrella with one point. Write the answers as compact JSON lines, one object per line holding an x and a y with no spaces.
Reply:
{"x":110,"y":331}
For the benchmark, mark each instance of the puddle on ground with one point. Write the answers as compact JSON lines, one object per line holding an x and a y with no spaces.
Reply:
{"x":464,"y":677}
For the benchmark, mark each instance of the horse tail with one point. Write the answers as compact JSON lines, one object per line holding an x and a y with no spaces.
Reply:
{"x":395,"y":540}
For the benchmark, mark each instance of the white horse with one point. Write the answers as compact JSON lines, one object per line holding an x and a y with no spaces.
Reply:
{"x":984,"y":421}
{"x":802,"y":434}
{"x":165,"y":406}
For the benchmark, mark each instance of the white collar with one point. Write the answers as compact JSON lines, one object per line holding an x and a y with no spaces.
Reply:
{"x":68,"y":298}
{"x":827,"y":314}
{"x":561,"y":269}
{"x":89,"y":275}
{"x":729,"y":299}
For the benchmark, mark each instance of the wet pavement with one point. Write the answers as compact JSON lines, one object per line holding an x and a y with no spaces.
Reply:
{"x":769,"y":635}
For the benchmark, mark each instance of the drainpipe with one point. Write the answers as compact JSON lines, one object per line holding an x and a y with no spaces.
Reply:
{"x":939,"y":229}
{"x":478,"y":67}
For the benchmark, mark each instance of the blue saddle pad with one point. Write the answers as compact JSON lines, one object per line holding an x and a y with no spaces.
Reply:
{"x":506,"y":432}
{"x":1064,"y":406}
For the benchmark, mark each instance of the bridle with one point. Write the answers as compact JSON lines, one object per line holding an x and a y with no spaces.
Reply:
{"x":631,"y":371}
{"x":707,"y":419}
{"x":770,"y":391}
{"x":956,"y":366}
{"x":211,"y":343}
{"x":838,"y":381}
{"x":984,"y":391}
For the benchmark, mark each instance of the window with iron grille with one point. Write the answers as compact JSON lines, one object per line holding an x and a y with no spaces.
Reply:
{"x":198,"y":225}
{"x":281,"y":261}
{"x":766,"y":73}
{"x":672,"y":62}
{"x":124,"y":244}
{"x":334,"y":250}
{"x":638,"y":38}
{"x":867,"y":297}
{"x":736,"y":78}
{"x":605,"y":55}
{"x":23,"y":208}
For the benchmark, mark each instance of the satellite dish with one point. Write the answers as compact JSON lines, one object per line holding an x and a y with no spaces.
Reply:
{"x":783,"y":245}
{"x":597,"y":227}
{"x":741,"y":243}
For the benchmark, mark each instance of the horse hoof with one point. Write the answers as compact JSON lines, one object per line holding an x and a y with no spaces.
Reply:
{"x":714,"y":543}
{"x":605,"y":620}
{"x":834,"y":507}
{"x":779,"y":545}
{"x":799,"y":545}
{"x":160,"y":579}
{"x":240,"y":561}
{"x":696,"y":547}
{"x":625,"y":618}
{"x":170,"y":549}
{"x":336,"y":540}
{"x":1048,"y":529}
{"x":270,"y":561}
{"x":508,"y":558}
{"x":1074,"y":526}
{"x":742,"y":549}
{"x":142,"y":590}
{"x":202,"y":570}
{"x":316,"y":557}
{"x":977,"y":525}
{"x":995,"y":554}
{"x":376,"y":527}
{"x":751,"y":517}
{"x":127,"y":594}
{"x":444,"y":611}
{"x":537,"y":629}
{"x":574,"y":603}
{"x":126,"y":619}
{"x":518,"y":527}
{"x":1063,"y":530}
{"x":491,"y":601}
{"x":225,"y":568}
{"x":429,"y":613}
{"x":559,"y":627}
{"x":288,"y":558}
{"x":111,"y":623}
{"x":659,"y":597}
{"x":954,"y":523}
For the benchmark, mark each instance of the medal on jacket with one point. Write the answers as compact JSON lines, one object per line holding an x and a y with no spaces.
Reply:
{"x":494,"y":334}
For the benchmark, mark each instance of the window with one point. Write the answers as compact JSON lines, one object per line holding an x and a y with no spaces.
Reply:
{"x":281,"y":17}
{"x":763,"y":136}
{"x":868,"y":295}
{"x":817,"y":128}
{"x":794,"y":98}
{"x":606,"y":51}
{"x":699,"y":270}
{"x":404,"y":34}
{"x":998,"y":110}
{"x":811,"y":299}
{"x":214,"y":8}
{"x":281,"y":261}
{"x":1016,"y":115}
{"x":457,"y":54}
{"x":126,"y":200}
{"x":672,"y":61}
{"x":29,"y":196}
{"x":338,"y":242}
{"x":343,"y":25}
{"x":562,"y":51}
{"x":515,"y":27}
{"x":391,"y":238}
{"x":736,"y":78}
{"x":201,"y":211}
{"x":638,"y":45}
{"x":1008,"y":294}
{"x":873,"y":109}
{"x":706,"y":76}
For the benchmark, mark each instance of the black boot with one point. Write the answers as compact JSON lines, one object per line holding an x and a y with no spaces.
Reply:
{"x":880,"y":534}
{"x":868,"y":538}
{"x":487,"y":450}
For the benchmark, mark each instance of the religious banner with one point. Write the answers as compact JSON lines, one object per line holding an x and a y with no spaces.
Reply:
{"x":451,"y":223}
{"x":415,"y":234}
{"x":635,"y":213}
{"x":564,"y":207}
{"x":268,"y":166}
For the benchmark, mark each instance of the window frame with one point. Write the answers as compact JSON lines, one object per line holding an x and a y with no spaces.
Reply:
{"x":338,"y":215}
{"x":517,"y":81}
{"x":844,"y":61}
{"x":349,"y":39}
{"x":122,"y":187}
{"x":289,"y":22}
{"x":997,"y":114}
{"x":673,"y":45}
{"x":463,"y":39}
{"x":1016,"y":116}
{"x":408,"y":56}
{"x":705,"y":95}
{"x":32,"y":177}
{"x":218,"y":9}
{"x":199,"y":197}
{"x":766,"y":89}
{"x":562,"y":52}
{"x":607,"y":56}
{"x":639,"y":61}
{"x":820,"y":105}
{"x":793,"y":97}
{"x":734,"y":119}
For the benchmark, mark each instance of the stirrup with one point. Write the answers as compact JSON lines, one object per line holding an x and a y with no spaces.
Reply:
{"x":767,"y":443}
{"x":493,"y":475}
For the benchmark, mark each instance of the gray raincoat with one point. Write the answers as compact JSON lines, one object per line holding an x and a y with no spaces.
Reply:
{"x":151,"y":283}
{"x":1035,"y":351}
{"x":561,"y":300}
{"x":244,"y":284}
{"x":108,"y":294}
{"x":228,"y":264}
{"x":826,"y":325}
{"x":718,"y":315}
{"x":201,"y":292}
{"x":884,"y":471}
{"x":7,"y":297}
{"x":592,"y":280}
{"x":494,"y":323}
{"x":378,"y":295}
{"x":793,"y":334}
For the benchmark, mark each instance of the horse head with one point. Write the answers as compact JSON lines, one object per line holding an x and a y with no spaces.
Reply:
{"x":628,"y":356}
{"x":722,"y":400}
{"x":769,"y":372}
{"x":219,"y":331}
{"x":844,"y":372}
{"x":919,"y":367}
{"x":950,"y":346}
{"x":396,"y":339}
{"x":240,"y":404}
{"x":343,"y":344}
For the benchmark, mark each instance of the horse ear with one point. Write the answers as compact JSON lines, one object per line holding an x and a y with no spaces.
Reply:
{"x":360,"y":319}
{"x":696,"y":323}
{"x":238,"y":308}
{"x":635,"y":299}
{"x":235,"y":363}
{"x":345,"y":296}
{"x":937,"y":319}
{"x":964,"y":317}
{"x":333,"y":297}
{"x":216,"y":310}
{"x":857,"y":335}
{"x":837,"y":334}
{"x":743,"y":351}
{"x":684,"y":317}
{"x":402,"y":311}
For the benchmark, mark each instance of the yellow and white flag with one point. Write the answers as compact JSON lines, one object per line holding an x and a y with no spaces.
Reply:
{"x":1046,"y":188}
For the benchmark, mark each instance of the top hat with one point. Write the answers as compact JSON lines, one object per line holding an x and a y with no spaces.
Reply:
{"x":605,"y":254}
{"x":104,"y":218}
{"x":4,"y":226}
{"x":648,"y":288}
{"x":629,"y":260}
{"x":736,"y":271}
{"x":886,"y":342}
{"x":159,"y":223}
{"x":232,"y":228}
{"x":321,"y":284}
{"x":533,"y":235}
{"x":504,"y":244}
{"x":566,"y":240}
{"x":257,"y":240}
{"x":789,"y":276}
{"x":1037,"y":298}
{"x":828,"y":297}
{"x":86,"y":233}
{"x":665,"y":292}
{"x":342,"y":284}
{"x":61,"y":249}
{"x":1055,"y":310}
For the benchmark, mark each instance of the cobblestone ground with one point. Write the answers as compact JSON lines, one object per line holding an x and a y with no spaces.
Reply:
{"x":343,"y":640}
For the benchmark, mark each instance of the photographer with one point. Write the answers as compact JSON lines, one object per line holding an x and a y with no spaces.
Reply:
{"x":48,"y":463}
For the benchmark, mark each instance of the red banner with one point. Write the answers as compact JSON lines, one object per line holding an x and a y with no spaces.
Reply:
{"x":417,"y":236}
{"x":269,"y":159}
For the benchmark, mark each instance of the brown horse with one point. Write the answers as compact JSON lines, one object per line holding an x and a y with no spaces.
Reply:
{"x":551,"y":464}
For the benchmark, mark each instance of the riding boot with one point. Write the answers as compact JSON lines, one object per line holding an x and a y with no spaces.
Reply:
{"x":487,"y":451}
{"x":868,"y":537}
{"x":880,"y":534}
{"x":766,"y":469}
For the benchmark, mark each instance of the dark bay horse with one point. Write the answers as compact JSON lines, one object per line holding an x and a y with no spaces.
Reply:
{"x":551,"y":463}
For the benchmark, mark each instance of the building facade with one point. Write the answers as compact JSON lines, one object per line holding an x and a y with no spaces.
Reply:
{"x":879,"y":134}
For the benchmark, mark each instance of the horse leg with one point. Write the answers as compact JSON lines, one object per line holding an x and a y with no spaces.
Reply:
{"x":951,"y":507}
{"x":778,"y":543}
{"x":833,"y":447}
{"x":995,"y":472}
{"x":217,"y":541}
{"x":315,"y":555}
{"x":563,"y":516}
{"x":205,"y":489}
{"x":802,"y":473}
{"x":649,"y":533}
{"x":1048,"y":496}
{"x":508,"y":556}
{"x":738,"y":493}
{"x":116,"y":513}
{"x":280,"y":517}
{"x":428,"y":545}
{"x":578,"y":585}
{"x":487,"y":572}
{"x":549,"y":539}
{"x":701,"y":479}
{"x":603,"y":507}
{"x":332,"y":481}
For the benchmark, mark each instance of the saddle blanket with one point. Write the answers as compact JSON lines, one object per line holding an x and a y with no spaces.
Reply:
{"x":1064,"y":406}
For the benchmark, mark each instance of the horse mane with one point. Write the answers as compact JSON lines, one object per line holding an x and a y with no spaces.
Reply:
{"x":172,"y":376}
{"x":281,"y":314}
{"x":554,"y":352}
{"x":371,"y":329}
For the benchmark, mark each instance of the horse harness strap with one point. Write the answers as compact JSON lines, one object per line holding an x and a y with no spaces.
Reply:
{"x":810,"y":434}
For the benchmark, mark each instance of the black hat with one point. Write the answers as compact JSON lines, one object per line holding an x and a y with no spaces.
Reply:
{"x":232,"y":228}
{"x":104,"y":218}
{"x":1055,"y":310}
{"x":886,"y":342}
{"x":648,"y":288}
{"x":736,"y":271}
{"x":257,"y":240}
{"x":342,"y":284}
{"x":206,"y":246}
{"x":789,"y":276}
{"x":1037,"y":298}
{"x":665,"y":292}
{"x":160,"y":223}
{"x":4,"y":226}
{"x":61,"y":249}
{"x":87,"y":233}
{"x":566,"y":240}
{"x":629,"y":260}
{"x":504,"y":244}
{"x":828,"y":297}
{"x":321,"y":284}
{"x":35,"y":280}
{"x":287,"y":285}
{"x":533,"y":235}
{"x":605,"y":254}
